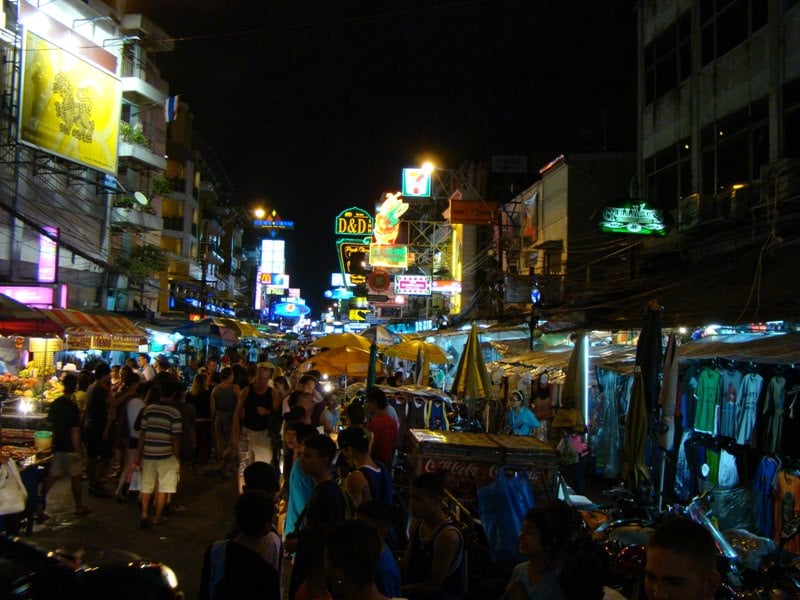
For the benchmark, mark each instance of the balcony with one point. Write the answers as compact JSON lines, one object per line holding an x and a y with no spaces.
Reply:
{"x":132,"y":219}
{"x":173,"y":223}
{"x":138,"y":157}
{"x":141,"y":83}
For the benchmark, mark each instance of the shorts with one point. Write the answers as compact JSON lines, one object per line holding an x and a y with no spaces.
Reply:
{"x":254,"y":446}
{"x":164,"y":472}
{"x":65,"y":464}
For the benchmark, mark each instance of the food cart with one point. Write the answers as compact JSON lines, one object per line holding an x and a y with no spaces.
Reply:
{"x":472,"y":460}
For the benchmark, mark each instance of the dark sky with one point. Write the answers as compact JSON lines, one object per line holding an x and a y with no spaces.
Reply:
{"x":313,"y":107}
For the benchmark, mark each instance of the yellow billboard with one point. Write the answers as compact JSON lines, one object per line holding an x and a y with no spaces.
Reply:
{"x":69,"y":106}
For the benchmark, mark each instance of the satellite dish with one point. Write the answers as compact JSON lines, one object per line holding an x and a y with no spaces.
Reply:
{"x":141,"y":198}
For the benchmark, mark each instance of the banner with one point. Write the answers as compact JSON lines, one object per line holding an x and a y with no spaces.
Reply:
{"x":69,"y":106}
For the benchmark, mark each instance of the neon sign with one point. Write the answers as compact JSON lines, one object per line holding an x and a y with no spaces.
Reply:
{"x":633,"y":217}
{"x":387,"y":219}
{"x":354,"y":221}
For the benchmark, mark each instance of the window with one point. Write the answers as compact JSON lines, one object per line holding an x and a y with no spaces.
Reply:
{"x":791,"y":118}
{"x":668,"y":175}
{"x":735,"y":147}
{"x":727,"y":23}
{"x":668,"y":59}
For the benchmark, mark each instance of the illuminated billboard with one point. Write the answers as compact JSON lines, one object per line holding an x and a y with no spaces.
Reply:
{"x":69,"y":106}
{"x":412,"y":285}
{"x":416,"y":182}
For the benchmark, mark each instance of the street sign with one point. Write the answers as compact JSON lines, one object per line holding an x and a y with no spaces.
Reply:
{"x":377,"y":298}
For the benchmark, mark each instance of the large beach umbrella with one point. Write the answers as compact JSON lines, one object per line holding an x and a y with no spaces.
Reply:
{"x":342,"y":340}
{"x":471,"y":381}
{"x":573,"y":392}
{"x":210,"y":329}
{"x":352,"y":362}
{"x":372,"y":365}
{"x":411,"y":349}
{"x":634,"y":469}
{"x":648,"y":354}
{"x":379,"y":334}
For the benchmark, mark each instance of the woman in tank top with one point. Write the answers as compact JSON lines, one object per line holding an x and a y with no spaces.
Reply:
{"x":224,"y":397}
{"x":252,"y":422}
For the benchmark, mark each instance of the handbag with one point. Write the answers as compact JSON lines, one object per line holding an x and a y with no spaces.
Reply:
{"x":503,"y":505}
{"x":135,"y":480}
{"x":13,"y":495}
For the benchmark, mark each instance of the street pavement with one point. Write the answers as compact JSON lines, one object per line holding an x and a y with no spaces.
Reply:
{"x":180,"y":542}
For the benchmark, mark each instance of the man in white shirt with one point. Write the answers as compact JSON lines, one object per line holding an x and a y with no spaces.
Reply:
{"x":143,"y":360}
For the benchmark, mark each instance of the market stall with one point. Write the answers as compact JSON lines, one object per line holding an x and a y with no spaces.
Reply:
{"x":737,"y":405}
{"x":472,"y":460}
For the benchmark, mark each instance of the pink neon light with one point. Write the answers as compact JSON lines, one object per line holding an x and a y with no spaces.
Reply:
{"x":47,"y":257}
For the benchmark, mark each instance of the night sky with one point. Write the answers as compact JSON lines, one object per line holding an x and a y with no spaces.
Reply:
{"x":313,"y":107}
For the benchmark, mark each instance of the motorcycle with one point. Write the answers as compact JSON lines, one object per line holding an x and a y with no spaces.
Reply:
{"x":746,"y":573}
{"x":28,"y":571}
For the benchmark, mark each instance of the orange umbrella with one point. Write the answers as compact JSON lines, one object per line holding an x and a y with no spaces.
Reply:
{"x":352,"y":362}
{"x":343,"y":340}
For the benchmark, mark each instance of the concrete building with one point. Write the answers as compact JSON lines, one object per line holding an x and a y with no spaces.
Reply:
{"x":719,"y":124}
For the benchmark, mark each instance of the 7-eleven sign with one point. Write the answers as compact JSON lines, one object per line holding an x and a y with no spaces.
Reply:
{"x":416,"y":182}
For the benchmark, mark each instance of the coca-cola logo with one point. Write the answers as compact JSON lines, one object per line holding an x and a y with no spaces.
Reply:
{"x":459,"y":468}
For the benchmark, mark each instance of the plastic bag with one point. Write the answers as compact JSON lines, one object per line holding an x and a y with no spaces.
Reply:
{"x":503,"y":505}
{"x":13,"y":495}
{"x":135,"y":480}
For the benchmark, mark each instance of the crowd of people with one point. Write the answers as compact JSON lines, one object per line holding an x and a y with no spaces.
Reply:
{"x":316,"y":515}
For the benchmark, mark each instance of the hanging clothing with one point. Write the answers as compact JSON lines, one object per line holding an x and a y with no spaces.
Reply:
{"x":790,"y":432}
{"x":747,"y":406}
{"x":787,"y":505}
{"x":728,"y":475}
{"x":608,"y":440}
{"x":708,"y":393}
{"x":436,"y":416}
{"x":731,"y":382}
{"x":712,"y":460}
{"x":689,"y":398}
{"x":684,"y":487}
{"x":773,"y":409}
{"x":764,"y":487}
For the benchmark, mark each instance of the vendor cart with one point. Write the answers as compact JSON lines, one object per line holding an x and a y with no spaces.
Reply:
{"x":472,"y":460}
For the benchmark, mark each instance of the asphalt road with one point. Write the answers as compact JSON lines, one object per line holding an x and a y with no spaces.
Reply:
{"x":180,"y":542}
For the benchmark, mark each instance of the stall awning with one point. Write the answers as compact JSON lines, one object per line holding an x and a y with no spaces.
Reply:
{"x":101,"y":332}
{"x":761,"y":348}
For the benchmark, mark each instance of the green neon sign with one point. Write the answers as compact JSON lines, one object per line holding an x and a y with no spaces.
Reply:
{"x":637,"y":217}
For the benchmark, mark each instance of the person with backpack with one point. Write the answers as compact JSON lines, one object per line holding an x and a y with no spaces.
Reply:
{"x":368,"y":480}
{"x":235,"y":568}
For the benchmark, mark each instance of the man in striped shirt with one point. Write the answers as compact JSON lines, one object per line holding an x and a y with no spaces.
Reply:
{"x":159,"y":448}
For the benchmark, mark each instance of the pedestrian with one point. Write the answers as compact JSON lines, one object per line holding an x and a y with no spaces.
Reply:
{"x":199,"y":396}
{"x":311,"y":545}
{"x":352,"y":555}
{"x":382,"y":426}
{"x":387,"y":578}
{"x":543,"y":539}
{"x":300,"y":484}
{"x":330,"y":415}
{"x":681,"y":562}
{"x":159,"y":450}
{"x":147,"y":371}
{"x":520,"y":419}
{"x":95,"y":431}
{"x":434,"y":561}
{"x":251,"y":430}
{"x":326,"y":504}
{"x":224,"y":398}
{"x":367,"y":480}
{"x":130,"y":409}
{"x":64,"y":418}
{"x":234,"y":568}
